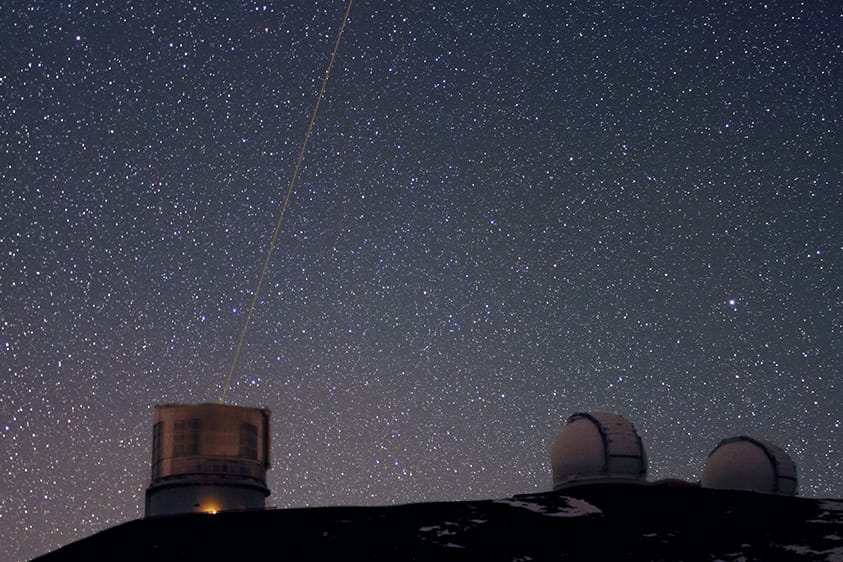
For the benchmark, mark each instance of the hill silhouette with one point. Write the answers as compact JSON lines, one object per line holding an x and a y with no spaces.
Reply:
{"x":589,"y":522}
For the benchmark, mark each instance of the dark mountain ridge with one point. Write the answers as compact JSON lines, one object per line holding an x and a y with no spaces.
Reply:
{"x":587,"y":522}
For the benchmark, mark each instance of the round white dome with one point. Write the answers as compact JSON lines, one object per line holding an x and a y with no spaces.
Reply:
{"x":744,"y":463}
{"x":597,"y":446}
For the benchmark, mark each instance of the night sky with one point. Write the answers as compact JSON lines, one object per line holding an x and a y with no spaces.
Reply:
{"x":508,"y":212}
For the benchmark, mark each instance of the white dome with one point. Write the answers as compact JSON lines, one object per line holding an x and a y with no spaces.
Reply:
{"x":597,"y":446}
{"x":744,"y":463}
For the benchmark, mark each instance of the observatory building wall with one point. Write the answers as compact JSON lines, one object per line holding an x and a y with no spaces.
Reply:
{"x":208,"y":457}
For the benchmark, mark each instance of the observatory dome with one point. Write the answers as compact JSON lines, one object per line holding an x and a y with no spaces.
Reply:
{"x":208,"y":458}
{"x":745,"y":463}
{"x":597,"y":446}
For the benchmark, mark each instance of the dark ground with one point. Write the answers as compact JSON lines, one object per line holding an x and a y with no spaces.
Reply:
{"x":595,"y":522}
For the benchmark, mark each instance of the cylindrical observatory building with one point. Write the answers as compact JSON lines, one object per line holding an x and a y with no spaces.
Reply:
{"x":208,"y":458}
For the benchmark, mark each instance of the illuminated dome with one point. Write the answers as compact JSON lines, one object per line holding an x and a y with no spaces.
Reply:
{"x":597,"y":446}
{"x":208,"y":458}
{"x":744,"y":463}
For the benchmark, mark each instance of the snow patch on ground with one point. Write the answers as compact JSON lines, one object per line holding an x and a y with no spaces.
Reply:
{"x":447,"y":528}
{"x":574,"y":508}
{"x":732,"y":557}
{"x":832,"y":512}
{"x":830,"y":555}
{"x":446,"y":532}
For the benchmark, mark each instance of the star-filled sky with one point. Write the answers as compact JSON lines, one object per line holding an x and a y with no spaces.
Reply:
{"x":508,"y":212}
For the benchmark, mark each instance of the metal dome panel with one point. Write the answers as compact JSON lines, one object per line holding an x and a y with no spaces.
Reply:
{"x":597,"y":446}
{"x":746,"y":463}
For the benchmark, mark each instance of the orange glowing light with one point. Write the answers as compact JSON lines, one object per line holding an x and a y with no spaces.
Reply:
{"x":210,"y":508}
